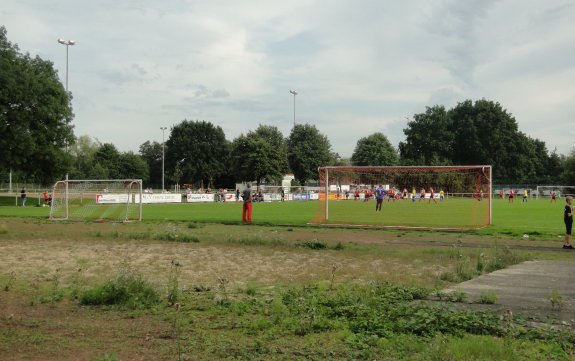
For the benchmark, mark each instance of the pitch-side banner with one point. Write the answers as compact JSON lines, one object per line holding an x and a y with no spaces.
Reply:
{"x":111,"y":198}
{"x":198,"y":197}
{"x":159,"y":198}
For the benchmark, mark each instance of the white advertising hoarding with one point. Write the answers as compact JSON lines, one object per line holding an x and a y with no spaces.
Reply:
{"x":199,"y":197}
{"x":111,"y":198}
{"x":159,"y":198}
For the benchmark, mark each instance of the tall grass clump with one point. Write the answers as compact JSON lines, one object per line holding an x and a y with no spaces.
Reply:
{"x":128,"y":289}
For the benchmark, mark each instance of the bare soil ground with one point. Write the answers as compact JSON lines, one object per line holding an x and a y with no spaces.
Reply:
{"x":35,"y":253}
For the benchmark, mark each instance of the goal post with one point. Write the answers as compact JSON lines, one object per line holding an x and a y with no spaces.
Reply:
{"x":462,"y":196}
{"x":116,"y":200}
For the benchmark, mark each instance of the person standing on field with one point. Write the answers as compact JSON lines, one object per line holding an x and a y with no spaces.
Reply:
{"x":379,"y":195}
{"x":247,"y":206}
{"x":568,"y":219}
{"x":23,"y":197}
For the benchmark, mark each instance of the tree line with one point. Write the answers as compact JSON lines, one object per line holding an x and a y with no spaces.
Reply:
{"x":38,"y":144}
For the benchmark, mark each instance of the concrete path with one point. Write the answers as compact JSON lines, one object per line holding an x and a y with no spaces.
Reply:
{"x":526,"y":290}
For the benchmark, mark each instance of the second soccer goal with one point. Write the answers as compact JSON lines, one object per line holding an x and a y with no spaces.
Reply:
{"x":446,"y":197}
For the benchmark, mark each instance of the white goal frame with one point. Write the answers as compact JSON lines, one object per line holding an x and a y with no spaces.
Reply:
{"x":91,"y":194}
{"x":486,"y":169}
{"x":554,"y":187}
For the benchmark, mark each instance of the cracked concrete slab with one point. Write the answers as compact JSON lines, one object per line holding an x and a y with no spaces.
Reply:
{"x":526,"y":290}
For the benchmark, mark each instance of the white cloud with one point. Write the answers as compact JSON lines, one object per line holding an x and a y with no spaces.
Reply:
{"x":358,"y":67}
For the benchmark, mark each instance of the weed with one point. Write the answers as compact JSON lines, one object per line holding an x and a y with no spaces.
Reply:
{"x":194,"y":225}
{"x":334,"y":267}
{"x":222,"y":286}
{"x":10,"y":281}
{"x":251,"y":289}
{"x":173,"y":282}
{"x":3,"y":229}
{"x":339,"y":246}
{"x":55,"y":294}
{"x":178,"y":331}
{"x":459,"y":296}
{"x":556,"y":299}
{"x":106,"y":357}
{"x":128,"y":289}
{"x":488,"y":298}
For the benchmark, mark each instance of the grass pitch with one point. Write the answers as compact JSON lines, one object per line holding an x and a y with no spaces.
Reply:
{"x":537,"y":218}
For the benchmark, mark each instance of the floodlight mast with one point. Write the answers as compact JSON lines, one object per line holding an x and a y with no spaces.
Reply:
{"x":294,"y":94}
{"x":163,"y":157}
{"x":68,"y":43}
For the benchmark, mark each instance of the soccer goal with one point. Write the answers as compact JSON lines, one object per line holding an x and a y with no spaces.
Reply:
{"x":560,"y":191}
{"x":116,"y":200}
{"x":442,"y":197}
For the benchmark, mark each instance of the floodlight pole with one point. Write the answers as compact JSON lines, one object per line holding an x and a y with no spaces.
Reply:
{"x":67,"y":43}
{"x":294,"y":94}
{"x":163,"y":156}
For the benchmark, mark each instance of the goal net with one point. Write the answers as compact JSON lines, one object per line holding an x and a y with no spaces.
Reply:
{"x":560,"y":191}
{"x":118,"y":200}
{"x":447,"y":197}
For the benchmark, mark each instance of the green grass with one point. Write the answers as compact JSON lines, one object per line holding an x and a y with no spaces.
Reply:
{"x":540,"y":219}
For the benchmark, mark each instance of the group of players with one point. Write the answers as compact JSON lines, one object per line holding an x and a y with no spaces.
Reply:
{"x":380,"y":194}
{"x":511,"y":195}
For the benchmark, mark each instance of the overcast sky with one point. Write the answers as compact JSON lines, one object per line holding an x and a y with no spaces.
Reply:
{"x":358,"y":66}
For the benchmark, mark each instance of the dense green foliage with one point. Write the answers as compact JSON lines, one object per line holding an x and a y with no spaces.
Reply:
{"x":197,"y":152}
{"x":151,"y":152}
{"x":479,"y":132}
{"x":376,"y":150}
{"x":35,"y":116}
{"x":308,"y":150}
{"x":260,"y":155}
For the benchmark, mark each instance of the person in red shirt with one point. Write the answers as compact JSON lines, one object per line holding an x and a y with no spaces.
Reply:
{"x":432,"y":196}
{"x":356,"y":195}
{"x":422,"y":194}
{"x":553,"y":197}
{"x":405,"y":195}
{"x":501,"y":194}
{"x":511,"y":195}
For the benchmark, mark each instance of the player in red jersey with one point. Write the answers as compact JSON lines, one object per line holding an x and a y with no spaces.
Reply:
{"x":432,"y":195}
{"x":391,"y":194}
{"x":405,"y":194}
{"x":501,"y":193}
{"x":511,"y":195}
{"x":422,"y":194}
{"x":553,"y":197}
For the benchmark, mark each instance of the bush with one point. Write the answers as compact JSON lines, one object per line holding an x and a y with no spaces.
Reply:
{"x":127,"y":290}
{"x":315,"y":245}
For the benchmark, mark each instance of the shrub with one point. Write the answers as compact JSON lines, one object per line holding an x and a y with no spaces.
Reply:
{"x":128,"y":289}
{"x":315,"y":245}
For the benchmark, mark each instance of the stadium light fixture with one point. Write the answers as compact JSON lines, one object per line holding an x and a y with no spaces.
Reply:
{"x":294,"y":94}
{"x":67,"y":43}
{"x":163,"y":143}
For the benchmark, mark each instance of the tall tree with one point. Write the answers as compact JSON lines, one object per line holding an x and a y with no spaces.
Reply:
{"x":133,"y":166}
{"x":82,"y":153}
{"x":376,"y":150}
{"x":108,"y":158}
{"x":260,"y":155}
{"x":479,"y":132}
{"x":428,"y":138}
{"x":197,"y":152}
{"x":151,"y":152}
{"x":35,"y":115}
{"x":568,"y":172}
{"x":308,"y":150}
